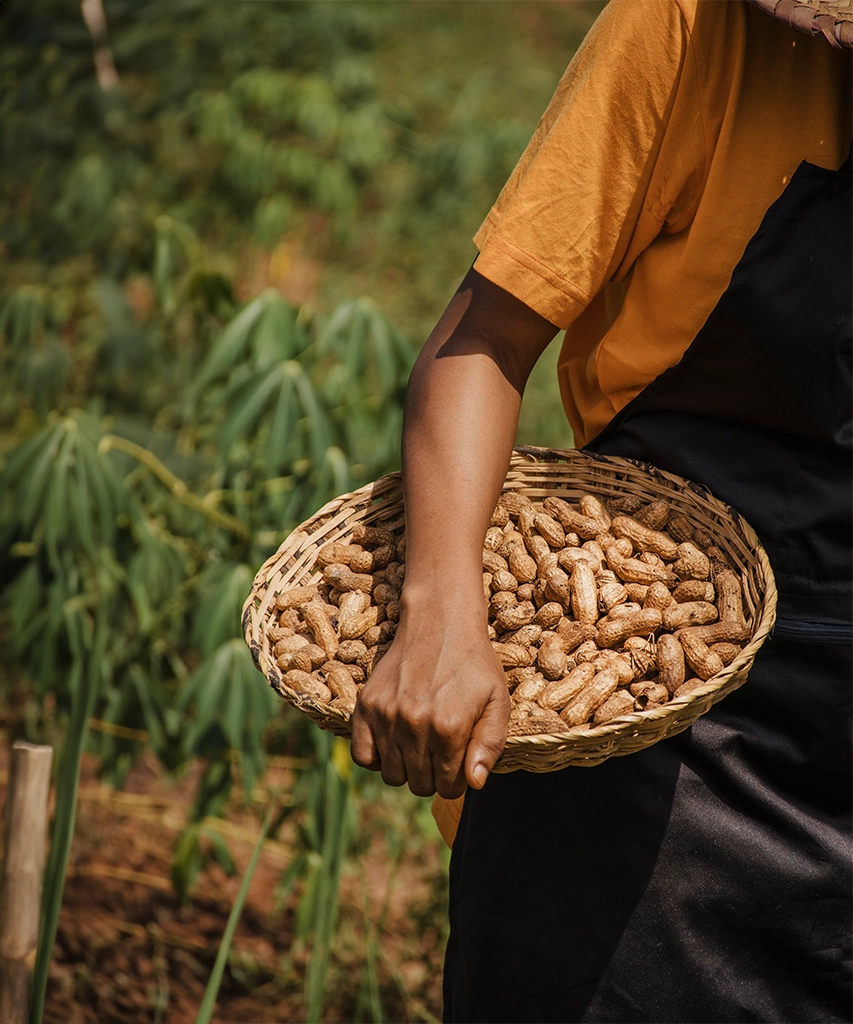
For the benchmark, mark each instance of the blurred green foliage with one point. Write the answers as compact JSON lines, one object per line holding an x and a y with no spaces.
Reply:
{"x":190,"y":361}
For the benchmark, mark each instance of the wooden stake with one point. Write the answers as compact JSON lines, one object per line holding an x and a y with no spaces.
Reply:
{"x":25,"y":832}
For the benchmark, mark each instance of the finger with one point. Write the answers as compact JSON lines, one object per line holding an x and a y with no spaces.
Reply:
{"x":449,"y":774}
{"x":448,"y":744}
{"x":487,"y":742}
{"x":392,"y":765}
{"x":363,"y":749}
{"x":419,"y":772}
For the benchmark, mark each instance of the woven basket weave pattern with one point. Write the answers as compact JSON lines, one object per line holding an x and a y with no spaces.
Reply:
{"x":830,"y":19}
{"x":537,"y":473}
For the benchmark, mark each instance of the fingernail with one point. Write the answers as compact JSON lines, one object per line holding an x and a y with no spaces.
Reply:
{"x":480,"y":774}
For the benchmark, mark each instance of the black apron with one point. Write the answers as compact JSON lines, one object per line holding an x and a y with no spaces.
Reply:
{"x":707,"y":878}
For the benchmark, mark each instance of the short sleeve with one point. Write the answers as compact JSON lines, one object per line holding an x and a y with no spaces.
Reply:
{"x":578,"y":203}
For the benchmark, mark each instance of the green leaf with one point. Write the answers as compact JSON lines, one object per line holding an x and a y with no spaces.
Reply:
{"x":230,"y":346}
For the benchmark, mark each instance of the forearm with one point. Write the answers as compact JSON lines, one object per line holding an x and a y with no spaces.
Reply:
{"x":461,"y":416}
{"x":434,"y":711}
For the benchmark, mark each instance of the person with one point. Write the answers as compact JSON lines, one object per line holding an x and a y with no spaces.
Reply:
{"x":683,"y":213}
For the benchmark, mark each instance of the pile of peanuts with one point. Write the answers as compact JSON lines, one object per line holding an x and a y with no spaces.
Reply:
{"x":596,"y":610}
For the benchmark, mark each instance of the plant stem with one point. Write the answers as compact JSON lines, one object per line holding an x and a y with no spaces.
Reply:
{"x":208,"y":1003}
{"x":178,"y":488}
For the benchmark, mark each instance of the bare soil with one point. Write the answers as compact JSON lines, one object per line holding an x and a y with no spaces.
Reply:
{"x":128,"y":952}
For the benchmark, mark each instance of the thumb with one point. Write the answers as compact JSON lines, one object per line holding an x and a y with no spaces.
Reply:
{"x":488,"y":738}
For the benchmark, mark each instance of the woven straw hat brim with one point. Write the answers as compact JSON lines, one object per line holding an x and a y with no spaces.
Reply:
{"x":831,"y":19}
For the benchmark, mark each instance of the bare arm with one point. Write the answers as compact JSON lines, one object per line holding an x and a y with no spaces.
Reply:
{"x":434,"y":711}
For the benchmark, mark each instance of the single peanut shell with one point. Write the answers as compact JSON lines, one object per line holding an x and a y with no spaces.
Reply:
{"x":287,"y":645}
{"x":691,"y":564}
{"x":548,"y":615}
{"x":641,"y":623}
{"x":502,"y":599}
{"x":512,"y":655}
{"x":557,"y":589}
{"x":513,"y":501}
{"x":573,"y":634}
{"x":688,"y":686}
{"x":632,"y":570}
{"x":522,"y":566}
{"x":587,"y":652}
{"x":637,"y":592}
{"x":584,"y":594}
{"x":654,"y":692}
{"x":342,"y":577}
{"x":524,"y":637}
{"x":592,"y":508}
{"x":494,"y":538}
{"x":619,"y":611}
{"x":500,"y":516}
{"x":570,"y":520}
{"x":552,"y":662}
{"x":670,"y":662}
{"x":515,"y":616}
{"x":558,"y":694}
{"x":626,"y":505}
{"x":349,"y":651}
{"x":679,"y":528}
{"x":551,"y":530}
{"x":729,"y":596}
{"x":703,"y":661}
{"x":504,"y":580}
{"x":351,"y":627}
{"x":694,"y":590}
{"x":492,"y":561}
{"x":296,"y":596}
{"x":658,"y":596}
{"x":616,"y":705}
{"x":372,"y":536}
{"x":339,"y":552}
{"x":725,"y":652}
{"x":306,"y":683}
{"x":530,"y":687}
{"x":318,"y":622}
{"x":729,"y":631}
{"x":340,"y":682}
{"x":593,"y":695}
{"x":643,"y":538}
{"x":610,"y":595}
{"x":690,"y":613}
{"x":655,"y":515}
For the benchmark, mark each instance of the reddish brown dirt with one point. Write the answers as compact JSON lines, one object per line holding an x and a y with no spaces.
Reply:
{"x":128,"y":952}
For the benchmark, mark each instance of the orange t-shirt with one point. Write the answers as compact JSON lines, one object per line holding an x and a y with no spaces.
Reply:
{"x":677,"y":124}
{"x":674,"y":129}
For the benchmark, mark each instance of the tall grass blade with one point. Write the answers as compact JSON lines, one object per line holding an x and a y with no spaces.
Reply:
{"x":84,"y":687}
{"x":208,"y":1003}
{"x":338,"y":789}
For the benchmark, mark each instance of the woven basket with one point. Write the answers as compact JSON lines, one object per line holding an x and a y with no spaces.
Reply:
{"x":538,"y":473}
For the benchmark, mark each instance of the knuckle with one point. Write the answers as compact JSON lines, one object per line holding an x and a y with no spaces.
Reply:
{"x":448,"y":727}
